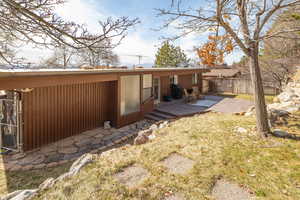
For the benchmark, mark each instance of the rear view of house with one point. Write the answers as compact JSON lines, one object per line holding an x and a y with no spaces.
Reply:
{"x":41,"y":107}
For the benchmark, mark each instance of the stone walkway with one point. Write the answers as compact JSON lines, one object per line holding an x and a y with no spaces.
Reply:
{"x":178,"y":164}
{"x":132,"y":176}
{"x":224,"y":190}
{"x":135,"y":175}
{"x":69,"y":149}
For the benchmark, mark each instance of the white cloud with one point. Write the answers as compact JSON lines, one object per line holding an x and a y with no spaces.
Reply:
{"x":134,"y":44}
{"x":81,"y":12}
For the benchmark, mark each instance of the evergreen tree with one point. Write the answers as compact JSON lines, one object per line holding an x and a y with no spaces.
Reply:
{"x":170,"y":56}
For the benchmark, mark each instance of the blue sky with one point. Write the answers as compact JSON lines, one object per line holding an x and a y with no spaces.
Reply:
{"x":141,"y":39}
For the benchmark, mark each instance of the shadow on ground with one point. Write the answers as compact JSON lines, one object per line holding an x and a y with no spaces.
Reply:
{"x":11,"y":181}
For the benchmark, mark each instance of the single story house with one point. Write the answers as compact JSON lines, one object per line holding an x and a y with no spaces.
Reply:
{"x":50,"y":105}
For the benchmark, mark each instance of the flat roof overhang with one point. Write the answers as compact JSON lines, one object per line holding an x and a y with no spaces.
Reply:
{"x":18,"y":79}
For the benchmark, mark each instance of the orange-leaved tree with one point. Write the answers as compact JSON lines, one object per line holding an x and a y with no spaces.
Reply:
{"x":213,"y":52}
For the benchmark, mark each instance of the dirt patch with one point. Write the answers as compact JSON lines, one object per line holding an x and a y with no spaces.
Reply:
{"x":178,"y":164}
{"x":176,"y":196}
{"x":224,"y":190}
{"x":132,"y":176}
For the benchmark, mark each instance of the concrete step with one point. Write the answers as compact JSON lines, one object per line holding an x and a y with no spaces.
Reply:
{"x":153,"y":117}
{"x":157,"y":110}
{"x":161,"y":115}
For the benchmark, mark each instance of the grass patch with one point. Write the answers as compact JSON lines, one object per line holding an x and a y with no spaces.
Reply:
{"x":269,"y":171}
{"x":11,"y":181}
{"x":268,"y":98}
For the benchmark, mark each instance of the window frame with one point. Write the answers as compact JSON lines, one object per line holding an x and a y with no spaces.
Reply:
{"x":123,"y":111}
{"x":147,"y":88}
{"x":174,"y":79}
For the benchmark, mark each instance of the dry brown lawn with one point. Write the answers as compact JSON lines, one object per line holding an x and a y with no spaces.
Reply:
{"x":269,"y":169}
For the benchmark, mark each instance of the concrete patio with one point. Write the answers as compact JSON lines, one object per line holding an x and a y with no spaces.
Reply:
{"x":179,"y":108}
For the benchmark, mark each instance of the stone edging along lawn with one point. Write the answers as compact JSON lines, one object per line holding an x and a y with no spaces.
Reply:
{"x":69,"y":149}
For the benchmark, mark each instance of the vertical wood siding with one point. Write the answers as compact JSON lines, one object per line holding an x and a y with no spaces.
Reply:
{"x":164,"y":86}
{"x":200,"y":82}
{"x":54,"y":113}
{"x":185,"y":81}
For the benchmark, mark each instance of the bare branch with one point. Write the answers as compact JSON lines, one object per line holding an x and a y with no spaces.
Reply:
{"x":36,"y":22}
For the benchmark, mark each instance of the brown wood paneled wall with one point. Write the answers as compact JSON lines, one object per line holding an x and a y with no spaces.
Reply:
{"x":200,"y":84}
{"x":57,"y":112}
{"x":185,"y":81}
{"x":164,"y":86}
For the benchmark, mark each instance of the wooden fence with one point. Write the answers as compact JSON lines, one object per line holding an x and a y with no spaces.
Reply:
{"x":239,"y":86}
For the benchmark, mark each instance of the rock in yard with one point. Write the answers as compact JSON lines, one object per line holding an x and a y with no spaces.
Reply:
{"x":250,"y":111}
{"x":248,"y":114}
{"x":141,"y":139}
{"x":20,"y":195}
{"x":279,"y":113}
{"x":280,"y":133}
{"x":240,"y":130}
{"x":286,"y":96}
{"x":153,"y":127}
{"x":164,"y":124}
{"x":77,"y":166}
{"x":289,"y":106}
{"x":107,"y":125}
{"x":151,"y":137}
{"x":80,"y":163}
{"x":47,"y":184}
{"x":145,"y":132}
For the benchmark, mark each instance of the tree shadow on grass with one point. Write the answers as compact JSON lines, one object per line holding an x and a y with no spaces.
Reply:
{"x":285,"y":135}
{"x":19,"y":180}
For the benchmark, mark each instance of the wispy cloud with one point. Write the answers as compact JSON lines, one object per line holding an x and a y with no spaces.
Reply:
{"x":82,"y":12}
{"x":135,"y":44}
{"x":140,"y":41}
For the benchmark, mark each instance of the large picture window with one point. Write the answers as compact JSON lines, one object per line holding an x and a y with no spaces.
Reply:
{"x":147,"y":86}
{"x":130,"y":94}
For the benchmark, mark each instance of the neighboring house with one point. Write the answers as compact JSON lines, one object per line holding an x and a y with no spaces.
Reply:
{"x":53,"y":105}
{"x":222,"y":73}
{"x":221,"y":66}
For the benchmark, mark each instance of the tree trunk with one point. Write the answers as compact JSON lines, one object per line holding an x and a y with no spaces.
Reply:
{"x":260,"y":104}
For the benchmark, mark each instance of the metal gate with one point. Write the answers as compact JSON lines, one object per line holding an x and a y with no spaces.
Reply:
{"x":10,"y":122}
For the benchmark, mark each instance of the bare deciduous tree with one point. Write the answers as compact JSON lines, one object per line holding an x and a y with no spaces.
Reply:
{"x":35,"y":21}
{"x":62,"y":57}
{"x":246,"y":22}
